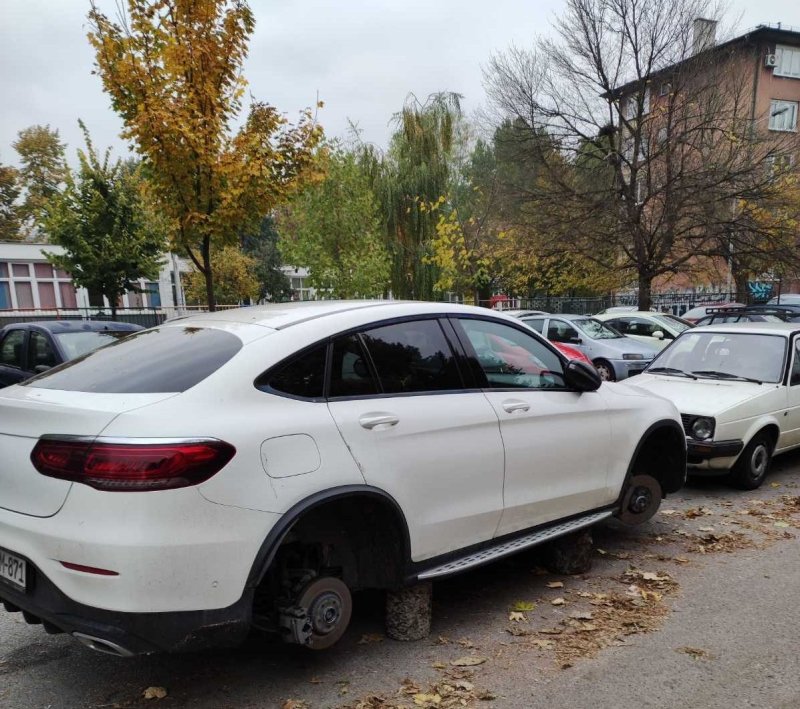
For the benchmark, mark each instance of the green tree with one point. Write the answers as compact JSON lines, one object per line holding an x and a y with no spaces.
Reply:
{"x":9,"y":209}
{"x":412,"y":175}
{"x":262,"y":246}
{"x":333,"y":229}
{"x":235,"y":282}
{"x":173,"y":70}
{"x":101,"y":219}
{"x":42,"y":171}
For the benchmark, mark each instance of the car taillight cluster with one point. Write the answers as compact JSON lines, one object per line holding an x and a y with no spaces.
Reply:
{"x":130,"y":467}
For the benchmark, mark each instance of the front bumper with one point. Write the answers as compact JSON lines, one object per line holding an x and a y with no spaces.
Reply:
{"x":711,"y":453}
{"x":625,"y":368}
{"x":127,"y":634}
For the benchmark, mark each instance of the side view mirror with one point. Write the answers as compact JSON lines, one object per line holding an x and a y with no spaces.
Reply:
{"x":39,"y":368}
{"x":658,"y":334}
{"x":581,"y":376}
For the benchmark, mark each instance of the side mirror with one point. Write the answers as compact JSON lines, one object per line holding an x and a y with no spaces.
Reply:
{"x":39,"y":368}
{"x":581,"y":376}
{"x":658,"y":334}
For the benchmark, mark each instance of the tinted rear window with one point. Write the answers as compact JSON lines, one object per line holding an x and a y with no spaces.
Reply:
{"x":168,"y":359}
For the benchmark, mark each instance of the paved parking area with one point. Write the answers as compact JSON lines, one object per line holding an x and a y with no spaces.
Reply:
{"x":698,"y":608}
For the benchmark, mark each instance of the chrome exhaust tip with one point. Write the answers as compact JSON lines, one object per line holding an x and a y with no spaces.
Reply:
{"x":100,"y":645}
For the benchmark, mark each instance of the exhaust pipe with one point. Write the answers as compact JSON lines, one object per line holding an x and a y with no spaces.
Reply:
{"x":101,"y":645}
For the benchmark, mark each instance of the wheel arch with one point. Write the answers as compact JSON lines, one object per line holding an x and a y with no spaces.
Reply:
{"x":767,"y":424}
{"x":316,"y":502}
{"x":670,"y":469}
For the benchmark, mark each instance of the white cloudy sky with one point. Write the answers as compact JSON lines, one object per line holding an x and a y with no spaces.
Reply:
{"x":362,"y":57}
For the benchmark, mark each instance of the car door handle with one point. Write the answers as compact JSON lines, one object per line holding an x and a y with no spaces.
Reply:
{"x":513,"y":405}
{"x":378,"y":419}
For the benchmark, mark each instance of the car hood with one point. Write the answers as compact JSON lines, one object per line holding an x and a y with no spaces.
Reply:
{"x":622,"y":345}
{"x":706,"y":397}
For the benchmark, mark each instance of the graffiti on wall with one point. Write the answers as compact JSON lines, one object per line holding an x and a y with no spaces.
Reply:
{"x":759,"y":290}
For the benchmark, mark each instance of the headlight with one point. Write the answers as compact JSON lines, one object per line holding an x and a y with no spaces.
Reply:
{"x":633,"y":356}
{"x":703,"y":428}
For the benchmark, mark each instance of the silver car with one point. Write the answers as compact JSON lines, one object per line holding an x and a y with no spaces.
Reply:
{"x":614,"y":355}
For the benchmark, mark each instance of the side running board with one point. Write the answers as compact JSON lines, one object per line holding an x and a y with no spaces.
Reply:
{"x":512,"y":546}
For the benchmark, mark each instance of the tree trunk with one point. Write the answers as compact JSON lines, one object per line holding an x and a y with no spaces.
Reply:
{"x":209,"y":275}
{"x":740,"y":283}
{"x":113,"y":304}
{"x":645,"y":292}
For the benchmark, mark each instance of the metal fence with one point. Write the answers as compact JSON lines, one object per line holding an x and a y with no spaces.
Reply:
{"x":674,"y":303}
{"x":147,"y":317}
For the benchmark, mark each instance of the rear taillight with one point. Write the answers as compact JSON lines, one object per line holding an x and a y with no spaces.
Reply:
{"x":131,"y":466}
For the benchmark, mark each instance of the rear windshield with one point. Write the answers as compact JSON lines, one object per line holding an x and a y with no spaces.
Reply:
{"x":75,"y":344}
{"x":165,"y":359}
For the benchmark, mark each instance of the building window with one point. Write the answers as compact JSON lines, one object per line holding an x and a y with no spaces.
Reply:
{"x":787,"y":61}
{"x":665,"y":89}
{"x":779,"y":164}
{"x":153,"y":294}
{"x":632,"y":105}
{"x":783,"y":115}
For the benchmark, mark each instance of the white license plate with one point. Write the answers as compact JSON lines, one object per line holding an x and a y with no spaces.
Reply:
{"x":13,"y":570}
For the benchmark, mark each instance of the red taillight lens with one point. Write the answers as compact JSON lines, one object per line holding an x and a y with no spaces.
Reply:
{"x":125,"y":467}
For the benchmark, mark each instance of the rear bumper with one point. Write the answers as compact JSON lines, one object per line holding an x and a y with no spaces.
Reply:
{"x":127,"y":634}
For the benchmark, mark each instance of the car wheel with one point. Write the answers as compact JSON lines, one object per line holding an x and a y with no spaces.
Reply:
{"x":753,"y":465}
{"x":320,"y":614}
{"x":641,"y":500}
{"x":605,"y":370}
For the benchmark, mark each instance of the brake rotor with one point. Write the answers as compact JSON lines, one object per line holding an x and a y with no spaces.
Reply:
{"x":641,"y":501}
{"x":328,"y":605}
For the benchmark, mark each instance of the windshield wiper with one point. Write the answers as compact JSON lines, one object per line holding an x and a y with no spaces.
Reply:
{"x":725,"y":375}
{"x":671,"y":370}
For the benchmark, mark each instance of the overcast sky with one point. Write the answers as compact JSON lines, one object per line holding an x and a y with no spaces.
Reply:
{"x":362,"y":56}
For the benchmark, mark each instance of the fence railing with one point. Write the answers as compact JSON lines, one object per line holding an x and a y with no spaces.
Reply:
{"x":147,"y":317}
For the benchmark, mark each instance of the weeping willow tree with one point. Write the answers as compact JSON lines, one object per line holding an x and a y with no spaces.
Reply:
{"x":411,"y":176}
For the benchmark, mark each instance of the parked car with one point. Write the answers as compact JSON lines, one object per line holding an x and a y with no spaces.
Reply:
{"x":569,"y":351}
{"x":737,"y":387}
{"x":614,"y":356}
{"x":716,"y":316}
{"x":785,"y":299}
{"x":654,"y":329}
{"x":254,"y":467}
{"x":701,"y":311}
{"x":27,"y":349}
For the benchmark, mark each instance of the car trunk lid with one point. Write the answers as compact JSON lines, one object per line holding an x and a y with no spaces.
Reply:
{"x":26,"y":413}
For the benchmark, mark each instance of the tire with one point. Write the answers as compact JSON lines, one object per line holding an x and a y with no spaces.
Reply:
{"x":751,"y":469}
{"x":605,"y":370}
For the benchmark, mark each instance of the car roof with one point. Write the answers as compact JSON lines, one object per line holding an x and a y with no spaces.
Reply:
{"x":61,"y":326}
{"x":278,"y":316}
{"x":768,"y":328}
{"x":573,"y":316}
{"x":631,"y":313}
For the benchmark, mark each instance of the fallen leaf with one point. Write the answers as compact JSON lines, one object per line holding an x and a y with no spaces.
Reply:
{"x":155,"y":693}
{"x":315,"y":680}
{"x":516,"y":617}
{"x":485,"y":695}
{"x":668,"y":512}
{"x":422,"y":700}
{"x":706,"y":529}
{"x":465,"y":685}
{"x":555,"y":584}
{"x":542,"y":644}
{"x":697,"y":653}
{"x":558,"y":602}
{"x":774,"y":484}
{"x":439,"y":666}
{"x":782,"y":524}
{"x":468,"y":661}
{"x":581,"y":615}
{"x":523,"y":606}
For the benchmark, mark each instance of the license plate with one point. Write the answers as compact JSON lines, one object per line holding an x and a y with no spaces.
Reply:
{"x":13,"y":570}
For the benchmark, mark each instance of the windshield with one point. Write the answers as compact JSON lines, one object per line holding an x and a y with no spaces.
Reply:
{"x":724,"y":355}
{"x":75,"y":344}
{"x":596,"y":329}
{"x":677,"y":324}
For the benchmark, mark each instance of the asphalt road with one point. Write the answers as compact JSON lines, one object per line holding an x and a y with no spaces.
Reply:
{"x":698,"y":608}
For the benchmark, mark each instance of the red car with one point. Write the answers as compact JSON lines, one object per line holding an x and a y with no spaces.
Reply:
{"x":571,"y":352}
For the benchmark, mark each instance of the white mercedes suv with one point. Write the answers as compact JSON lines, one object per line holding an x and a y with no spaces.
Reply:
{"x":254,"y":467}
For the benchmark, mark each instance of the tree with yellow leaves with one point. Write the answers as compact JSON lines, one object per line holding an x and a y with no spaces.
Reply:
{"x":235,"y":279}
{"x":173,"y":69}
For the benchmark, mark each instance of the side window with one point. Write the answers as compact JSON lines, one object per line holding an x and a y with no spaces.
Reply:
{"x":512,"y":359}
{"x":559,"y":331}
{"x":536,"y":323}
{"x":302,"y":376}
{"x":40,"y":351}
{"x":619,"y":324}
{"x":638,"y":326}
{"x":412,"y":357}
{"x":11,"y":349}
{"x":350,"y":371}
{"x":795,"y":378}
